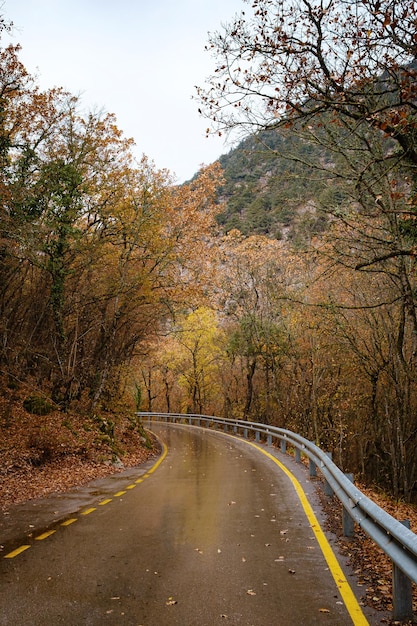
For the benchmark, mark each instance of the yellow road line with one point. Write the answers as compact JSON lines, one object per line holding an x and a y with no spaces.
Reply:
{"x":159,"y":461}
{"x":351,"y":603}
{"x":45,"y":535}
{"x":88,"y":511}
{"x":11,"y":555}
{"x":70,"y":521}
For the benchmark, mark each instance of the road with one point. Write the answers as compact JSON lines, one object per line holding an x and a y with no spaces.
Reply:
{"x":213,"y":534}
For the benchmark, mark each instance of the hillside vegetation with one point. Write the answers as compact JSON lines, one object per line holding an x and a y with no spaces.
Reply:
{"x":270,"y":189}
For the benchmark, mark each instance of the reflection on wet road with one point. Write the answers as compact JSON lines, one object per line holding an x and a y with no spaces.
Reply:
{"x":215,"y":536}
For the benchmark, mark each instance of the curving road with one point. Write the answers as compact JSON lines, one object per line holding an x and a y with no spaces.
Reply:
{"x":212,"y":534}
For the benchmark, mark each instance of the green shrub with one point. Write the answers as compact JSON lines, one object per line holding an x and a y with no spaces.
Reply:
{"x":38,"y":405}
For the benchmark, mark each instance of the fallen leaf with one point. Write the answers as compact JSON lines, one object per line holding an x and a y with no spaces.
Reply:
{"x":324,"y":611}
{"x":170,"y":601}
{"x":291,"y":571}
{"x":251,"y":592}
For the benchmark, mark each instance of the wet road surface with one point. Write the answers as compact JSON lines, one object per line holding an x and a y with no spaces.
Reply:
{"x":215,"y":535}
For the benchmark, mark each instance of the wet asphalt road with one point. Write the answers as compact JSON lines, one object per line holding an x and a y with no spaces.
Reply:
{"x":215,"y":535}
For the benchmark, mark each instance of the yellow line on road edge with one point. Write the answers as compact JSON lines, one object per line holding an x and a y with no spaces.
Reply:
{"x":45,"y":535}
{"x":88,"y":511}
{"x":11,"y":555}
{"x":351,"y":603}
{"x":159,"y":461}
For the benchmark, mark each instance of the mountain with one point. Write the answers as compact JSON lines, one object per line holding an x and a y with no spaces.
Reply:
{"x":270,"y":190}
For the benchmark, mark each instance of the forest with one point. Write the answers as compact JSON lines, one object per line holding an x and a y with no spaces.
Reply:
{"x":278,"y":285}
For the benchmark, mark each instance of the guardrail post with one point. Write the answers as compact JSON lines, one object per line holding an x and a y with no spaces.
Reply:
{"x":297,"y":455}
{"x":257,"y":435}
{"x":225,"y":427}
{"x":312,"y":468}
{"x":327,"y":489}
{"x":402,"y":593}
{"x":348,"y":524}
{"x":245,"y":433}
{"x":283,"y":446}
{"x":269,"y":440}
{"x":235,"y":429}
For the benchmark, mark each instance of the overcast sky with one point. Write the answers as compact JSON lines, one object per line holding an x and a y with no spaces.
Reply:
{"x":138,"y":59}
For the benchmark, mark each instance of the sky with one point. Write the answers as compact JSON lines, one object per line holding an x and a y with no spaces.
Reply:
{"x":138,"y":59}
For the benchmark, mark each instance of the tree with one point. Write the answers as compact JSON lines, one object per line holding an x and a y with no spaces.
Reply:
{"x":249,"y":288}
{"x":200,"y":348}
{"x":191,"y":229}
{"x":297,"y":59}
{"x":381,"y":423}
{"x":341,"y":73}
{"x":97,"y":249}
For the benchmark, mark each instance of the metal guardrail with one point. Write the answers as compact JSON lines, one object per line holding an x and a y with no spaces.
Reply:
{"x":392,"y":536}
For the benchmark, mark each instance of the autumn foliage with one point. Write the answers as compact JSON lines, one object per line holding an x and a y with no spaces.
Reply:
{"x":118,"y":285}
{"x":96,"y":248}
